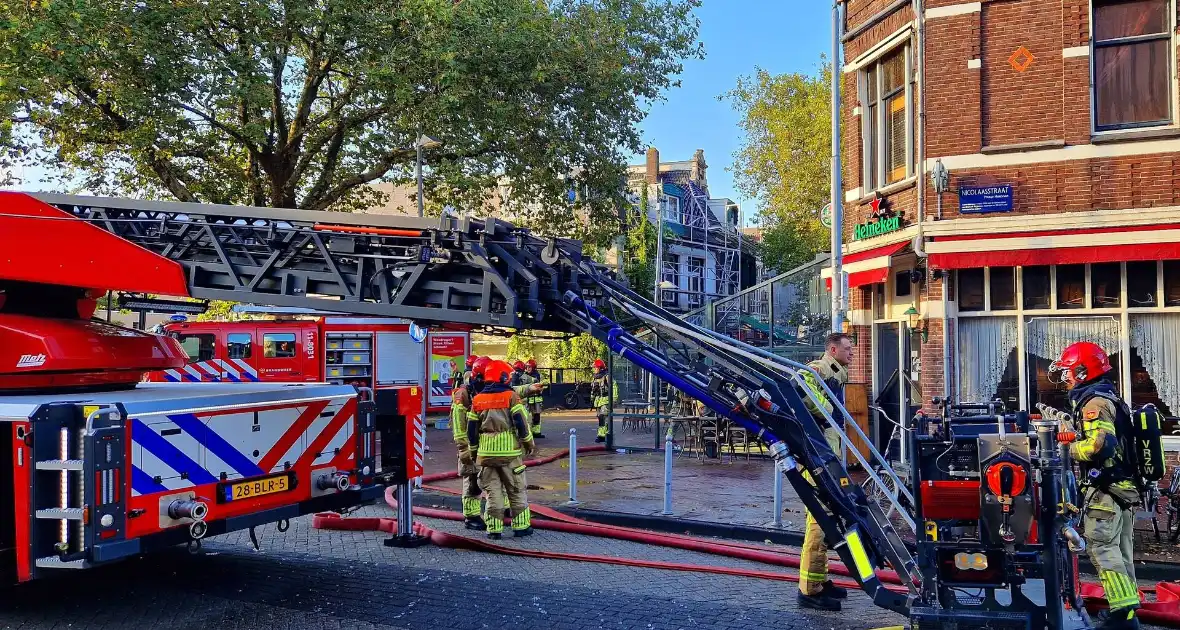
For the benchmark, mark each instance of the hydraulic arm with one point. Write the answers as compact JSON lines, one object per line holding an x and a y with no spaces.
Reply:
{"x":490,"y":273}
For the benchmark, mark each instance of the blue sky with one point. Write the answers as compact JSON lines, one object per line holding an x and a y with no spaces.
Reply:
{"x":777,"y":35}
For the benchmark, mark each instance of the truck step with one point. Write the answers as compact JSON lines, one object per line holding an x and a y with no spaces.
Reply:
{"x":61,"y":464}
{"x":70,"y":514}
{"x":53,"y":562}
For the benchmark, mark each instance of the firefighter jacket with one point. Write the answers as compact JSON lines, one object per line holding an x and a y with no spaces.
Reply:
{"x":1097,"y":411}
{"x":461,"y":414}
{"x":835,"y":376}
{"x":600,"y":389}
{"x":500,"y":427}
{"x":534,"y":401}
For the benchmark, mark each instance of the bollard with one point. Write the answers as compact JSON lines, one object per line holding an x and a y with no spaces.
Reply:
{"x":778,"y":495}
{"x":668,"y":474}
{"x":573,"y":468}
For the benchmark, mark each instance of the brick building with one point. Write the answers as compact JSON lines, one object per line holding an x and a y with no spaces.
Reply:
{"x":1056,"y":121}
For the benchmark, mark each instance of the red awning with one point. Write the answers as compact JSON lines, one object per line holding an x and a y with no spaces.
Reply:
{"x":1056,"y":247}
{"x":869,"y":266}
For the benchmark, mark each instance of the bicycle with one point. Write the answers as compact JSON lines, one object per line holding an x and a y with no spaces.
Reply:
{"x":1173,"y":496}
{"x":887,"y":495}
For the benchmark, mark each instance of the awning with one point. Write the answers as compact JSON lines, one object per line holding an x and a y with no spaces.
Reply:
{"x":1056,"y":247}
{"x":866,"y":267}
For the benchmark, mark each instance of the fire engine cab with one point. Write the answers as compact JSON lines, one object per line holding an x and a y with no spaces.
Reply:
{"x":376,"y":353}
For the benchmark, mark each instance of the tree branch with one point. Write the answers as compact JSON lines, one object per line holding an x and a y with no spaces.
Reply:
{"x":230,"y":131}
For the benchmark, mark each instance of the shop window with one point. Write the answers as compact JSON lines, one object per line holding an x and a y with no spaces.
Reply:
{"x":902,"y":285}
{"x":879,"y":300}
{"x":1106,"y":285}
{"x":1155,"y":363}
{"x":1003,"y":288}
{"x":971,"y":290}
{"x":886,"y":120}
{"x":278,"y":345}
{"x":1172,"y":283}
{"x":197,"y":347}
{"x":1132,"y":63}
{"x":1036,"y":287}
{"x":1071,"y":286}
{"x":1142,"y":285}
{"x":238,"y":345}
{"x":988,"y":367}
{"x":1047,"y":337}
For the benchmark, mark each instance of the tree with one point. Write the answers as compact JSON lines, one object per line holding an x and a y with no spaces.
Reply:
{"x":301,"y":104}
{"x":520,"y":348}
{"x":784,"y":160}
{"x":641,"y":244}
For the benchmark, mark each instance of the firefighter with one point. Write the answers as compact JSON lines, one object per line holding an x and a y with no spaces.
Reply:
{"x":517,"y":374}
{"x":501,"y":436}
{"x":815,"y":589}
{"x":1103,"y":425}
{"x":600,"y":387}
{"x":461,"y":415}
{"x":535,"y":400}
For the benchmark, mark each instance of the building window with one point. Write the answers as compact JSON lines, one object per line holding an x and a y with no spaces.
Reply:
{"x":670,"y":209}
{"x":1172,"y":283}
{"x":1071,"y":286}
{"x":988,"y":367}
{"x":1132,"y":63}
{"x":886,"y":115}
{"x":1002,"y":288}
{"x":1106,"y":285}
{"x":902,"y":287}
{"x":971,"y":290}
{"x":1155,"y":362}
{"x":696,"y":275}
{"x":1142,"y":284}
{"x":278,"y":345}
{"x":1036,"y":287}
{"x":238,"y":345}
{"x":1047,"y":337}
{"x":197,"y":347}
{"x":671,"y":275}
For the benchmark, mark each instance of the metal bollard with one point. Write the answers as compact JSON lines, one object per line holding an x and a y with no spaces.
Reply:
{"x":778,"y":495}
{"x":668,"y":474}
{"x":573,"y":468}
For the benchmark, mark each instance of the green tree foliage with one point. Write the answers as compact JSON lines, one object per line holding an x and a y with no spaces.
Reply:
{"x":521,"y":348}
{"x":219,"y":311}
{"x":784,"y":159}
{"x":301,"y":104}
{"x":640,"y":242}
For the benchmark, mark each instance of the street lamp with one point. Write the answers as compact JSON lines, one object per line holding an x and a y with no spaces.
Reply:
{"x":424,"y":142}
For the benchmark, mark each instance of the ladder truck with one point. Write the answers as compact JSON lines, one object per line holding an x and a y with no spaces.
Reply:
{"x":491,"y":274}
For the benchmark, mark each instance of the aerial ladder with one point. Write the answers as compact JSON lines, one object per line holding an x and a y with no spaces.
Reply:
{"x":488,"y":273}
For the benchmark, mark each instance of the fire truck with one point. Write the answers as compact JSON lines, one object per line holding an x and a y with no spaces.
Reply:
{"x":367,"y":352}
{"x":102,"y":468}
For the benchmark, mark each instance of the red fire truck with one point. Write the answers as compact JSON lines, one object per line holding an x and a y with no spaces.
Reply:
{"x":376,"y":353}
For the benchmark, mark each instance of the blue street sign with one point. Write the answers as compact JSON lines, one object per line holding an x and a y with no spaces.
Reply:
{"x":984,"y":199}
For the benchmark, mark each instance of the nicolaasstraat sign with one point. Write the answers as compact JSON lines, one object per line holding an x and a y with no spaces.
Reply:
{"x":885,"y":222}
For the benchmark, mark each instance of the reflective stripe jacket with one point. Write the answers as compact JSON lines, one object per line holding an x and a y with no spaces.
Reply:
{"x":532,"y":400}
{"x":461,"y":414}
{"x":600,"y":389}
{"x":836,"y":376}
{"x":1098,"y":447}
{"x":500,"y":427}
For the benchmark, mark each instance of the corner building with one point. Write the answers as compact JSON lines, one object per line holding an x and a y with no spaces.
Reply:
{"x":1056,"y":122}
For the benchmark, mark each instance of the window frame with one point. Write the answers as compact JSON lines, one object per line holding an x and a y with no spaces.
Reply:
{"x":874,"y":126}
{"x":1095,"y":44}
{"x":211,"y":338}
{"x":665,"y":204}
{"x":294,"y":341}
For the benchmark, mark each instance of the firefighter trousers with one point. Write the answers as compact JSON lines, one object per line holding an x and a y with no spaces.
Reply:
{"x":536,"y":413}
{"x":813,"y":564}
{"x":506,"y":482}
{"x":1109,"y":534}
{"x":603,"y":427}
{"x":471,"y":492}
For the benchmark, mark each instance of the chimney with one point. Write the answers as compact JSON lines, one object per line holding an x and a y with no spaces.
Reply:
{"x":653,"y":165}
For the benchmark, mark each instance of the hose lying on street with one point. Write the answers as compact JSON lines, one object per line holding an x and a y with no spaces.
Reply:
{"x":1164,"y":611}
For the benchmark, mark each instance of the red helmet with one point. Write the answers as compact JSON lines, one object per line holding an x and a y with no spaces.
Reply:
{"x":471,"y":360}
{"x":599,"y":364}
{"x":497,"y":372}
{"x":532,"y":364}
{"x":479,"y":365}
{"x":519,"y":365}
{"x":1083,"y":361}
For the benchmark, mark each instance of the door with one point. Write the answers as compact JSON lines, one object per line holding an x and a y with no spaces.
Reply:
{"x":886,"y":345}
{"x":241,"y":351}
{"x":202,"y":351}
{"x":282,"y":358}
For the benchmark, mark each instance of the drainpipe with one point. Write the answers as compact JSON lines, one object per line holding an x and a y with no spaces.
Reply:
{"x":838,"y":297}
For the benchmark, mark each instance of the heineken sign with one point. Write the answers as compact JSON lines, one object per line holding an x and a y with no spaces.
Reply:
{"x":877,"y":228}
{"x":886,"y":221}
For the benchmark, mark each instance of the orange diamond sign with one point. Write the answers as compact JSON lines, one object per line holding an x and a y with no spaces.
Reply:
{"x":1021,"y":59}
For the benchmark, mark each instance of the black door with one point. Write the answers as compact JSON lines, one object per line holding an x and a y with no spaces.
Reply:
{"x":886,"y":377}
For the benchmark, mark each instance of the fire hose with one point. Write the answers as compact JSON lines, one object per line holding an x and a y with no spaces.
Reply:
{"x":1164,"y":611}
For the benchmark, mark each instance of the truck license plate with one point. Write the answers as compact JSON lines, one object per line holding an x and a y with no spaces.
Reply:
{"x":254,"y":488}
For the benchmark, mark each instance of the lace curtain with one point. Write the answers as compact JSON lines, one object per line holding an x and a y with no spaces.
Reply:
{"x":984,"y":346}
{"x":1156,"y":337}
{"x":1047,"y":337}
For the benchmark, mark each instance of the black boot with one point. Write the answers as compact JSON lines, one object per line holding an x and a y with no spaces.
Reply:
{"x":521,"y":533}
{"x":818,"y":601}
{"x":833,"y":591}
{"x":600,"y":439}
{"x":1121,"y":619}
{"x":539,"y":436}
{"x":475,"y":523}
{"x":495,"y":535}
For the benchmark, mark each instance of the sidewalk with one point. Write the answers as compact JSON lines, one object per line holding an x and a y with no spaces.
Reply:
{"x":732,"y":492}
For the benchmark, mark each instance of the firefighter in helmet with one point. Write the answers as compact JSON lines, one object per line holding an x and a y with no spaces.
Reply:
{"x":501,"y":436}
{"x":815,"y":589}
{"x":1103,"y":425}
{"x":462,"y":414}
{"x":517,"y":377}
{"x":600,"y":394}
{"x":534,"y":400}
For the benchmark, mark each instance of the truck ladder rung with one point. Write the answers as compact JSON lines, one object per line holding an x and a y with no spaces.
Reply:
{"x":61,"y":464}
{"x":57,"y":514}
{"x":53,"y":562}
